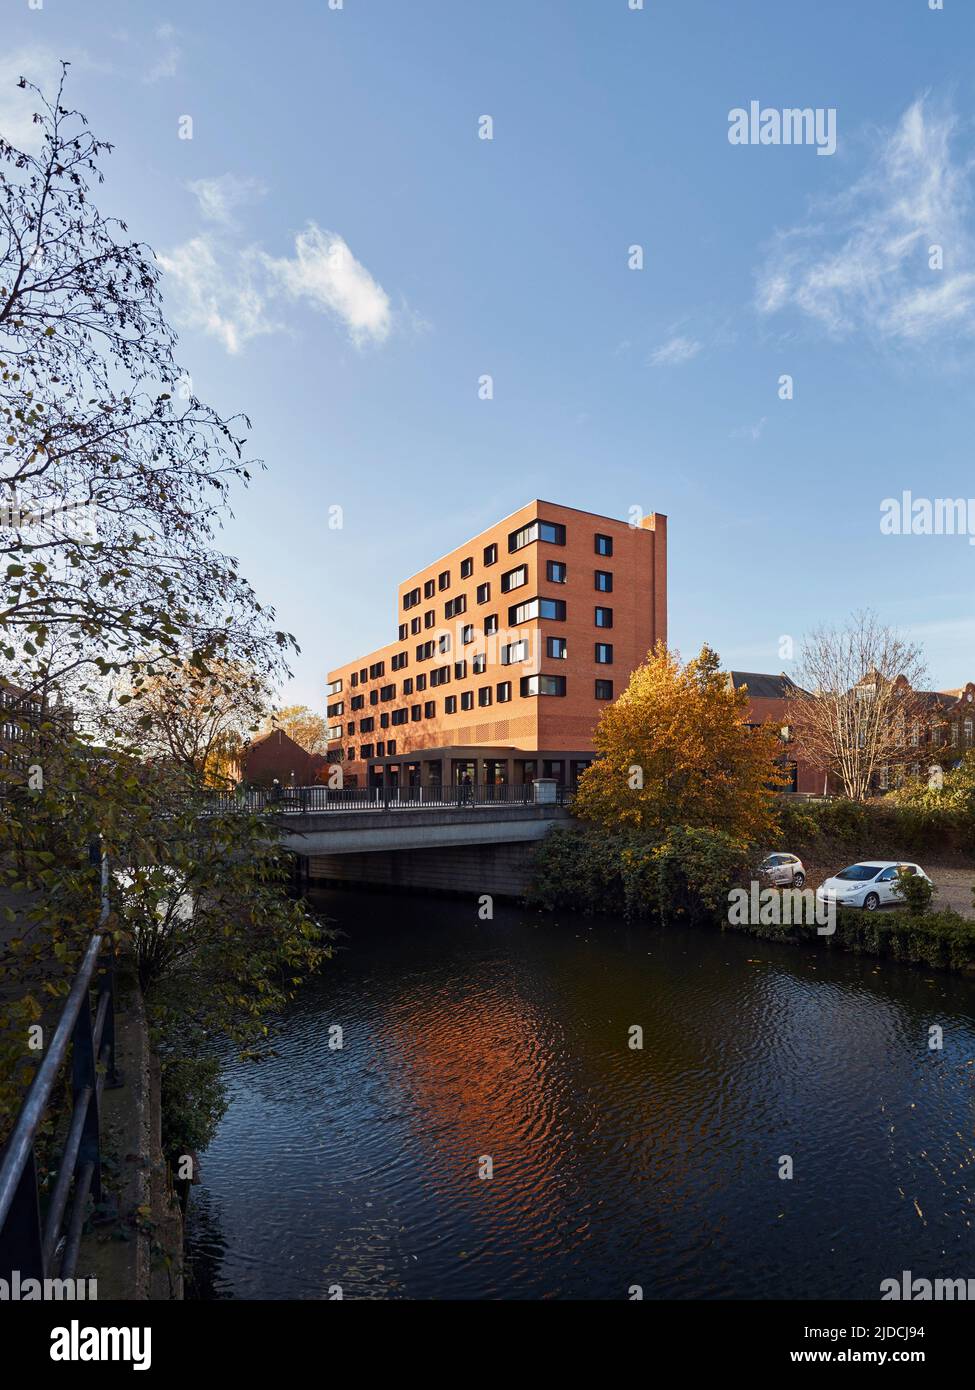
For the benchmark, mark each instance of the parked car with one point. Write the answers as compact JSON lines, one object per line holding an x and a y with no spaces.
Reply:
{"x":870,"y":884}
{"x":783,"y":870}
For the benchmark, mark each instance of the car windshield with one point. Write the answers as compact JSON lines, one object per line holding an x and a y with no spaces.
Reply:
{"x":859,"y":872}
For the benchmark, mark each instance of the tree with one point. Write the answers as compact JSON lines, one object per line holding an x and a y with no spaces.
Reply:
{"x":675,"y":749}
{"x":197,"y":716}
{"x":114,"y":473}
{"x":308,"y":729}
{"x":857,"y":707}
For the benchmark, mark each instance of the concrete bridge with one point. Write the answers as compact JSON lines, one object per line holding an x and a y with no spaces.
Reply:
{"x":456,"y":846}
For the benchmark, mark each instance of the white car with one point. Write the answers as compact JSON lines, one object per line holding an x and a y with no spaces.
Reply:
{"x":783,"y":869}
{"x":869,"y":884}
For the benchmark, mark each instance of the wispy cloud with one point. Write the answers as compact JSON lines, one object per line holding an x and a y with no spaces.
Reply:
{"x":236,"y":294}
{"x":324,"y":272}
{"x":675,"y":352}
{"x":220,"y":197}
{"x":753,"y":432}
{"x":863,"y":261}
{"x":225,"y":300}
{"x":168,"y":55}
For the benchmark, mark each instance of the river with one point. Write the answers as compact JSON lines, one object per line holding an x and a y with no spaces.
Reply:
{"x":358,"y":1168}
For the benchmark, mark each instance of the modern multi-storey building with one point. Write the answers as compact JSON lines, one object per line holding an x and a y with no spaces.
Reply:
{"x":507,"y":650}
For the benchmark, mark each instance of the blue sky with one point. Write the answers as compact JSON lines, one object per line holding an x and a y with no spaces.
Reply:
{"x":345,"y":258}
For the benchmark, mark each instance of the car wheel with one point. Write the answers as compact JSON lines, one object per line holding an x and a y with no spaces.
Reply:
{"x":798,"y":880}
{"x":871,"y":902}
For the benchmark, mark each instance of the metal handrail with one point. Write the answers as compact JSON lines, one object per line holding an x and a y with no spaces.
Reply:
{"x":25,"y":1245}
{"x":318,"y":797}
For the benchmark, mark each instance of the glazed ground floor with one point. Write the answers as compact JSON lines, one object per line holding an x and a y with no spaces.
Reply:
{"x":479,"y":765}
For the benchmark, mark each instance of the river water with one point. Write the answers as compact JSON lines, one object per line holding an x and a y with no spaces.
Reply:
{"x":358,"y":1168}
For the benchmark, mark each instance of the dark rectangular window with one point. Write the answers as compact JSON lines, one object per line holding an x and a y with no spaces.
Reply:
{"x":430,"y":709}
{"x":450,"y":705}
{"x":478,"y":663}
{"x":604,"y":617}
{"x":552,"y":608}
{"x":467,"y":634}
{"x":484,"y":696}
{"x":377,"y":669}
{"x":490,"y":555}
{"x":604,"y":653}
{"x":365,"y":751}
{"x":467,"y":700}
{"x":337,"y":708}
{"x":555,"y":647}
{"x":380,"y":749}
{"x":604,"y":581}
{"x":421,"y":683}
{"x":363,"y":675}
{"x":513,"y":652}
{"x":460,"y":670}
{"x":484,"y":593}
{"x":374,"y":697}
{"x":411,"y":599}
{"x":466,"y":568}
{"x":514,"y":579}
{"x":416,"y":712}
{"x":428,"y":588}
{"x":604,"y":545}
{"x":400,"y":660}
{"x":443,"y":643}
{"x":429,"y":618}
{"x":415,"y":625}
{"x":403,"y":629}
{"x":548,"y":531}
{"x":504,"y":692}
{"x":455,"y":606}
{"x":400,"y":716}
{"x":350,"y":754}
{"x":408,"y":686}
{"x":354,"y":678}
{"x":543,"y":685}
{"x":490,"y":624}
{"x":366,"y":726}
{"x":443,"y":580}
{"x":384,"y":720}
{"x":556,"y":572}
{"x":357,"y":702}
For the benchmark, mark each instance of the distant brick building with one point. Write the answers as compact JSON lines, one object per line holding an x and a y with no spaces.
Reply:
{"x":277,"y":756}
{"x":768,"y":702}
{"x":942,"y":732}
{"x":508,"y":649}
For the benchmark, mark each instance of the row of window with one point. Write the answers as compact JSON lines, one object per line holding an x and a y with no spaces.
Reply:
{"x":551,"y":609}
{"x":484,"y":697}
{"x":548,"y":531}
{"x":557,"y":573}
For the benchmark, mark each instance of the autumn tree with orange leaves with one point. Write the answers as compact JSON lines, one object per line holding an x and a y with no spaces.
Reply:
{"x":676,"y":749}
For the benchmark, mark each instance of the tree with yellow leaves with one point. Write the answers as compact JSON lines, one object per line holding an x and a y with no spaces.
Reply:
{"x":676,"y":749}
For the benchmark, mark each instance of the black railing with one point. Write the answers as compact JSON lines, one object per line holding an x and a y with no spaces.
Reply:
{"x":301,"y":800}
{"x":43,"y":1247}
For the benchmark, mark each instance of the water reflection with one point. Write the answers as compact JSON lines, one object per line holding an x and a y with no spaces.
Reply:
{"x":612,"y":1166}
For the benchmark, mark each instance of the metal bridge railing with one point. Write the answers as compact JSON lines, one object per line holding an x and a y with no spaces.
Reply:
{"x":46,"y":1246}
{"x":300,"y":800}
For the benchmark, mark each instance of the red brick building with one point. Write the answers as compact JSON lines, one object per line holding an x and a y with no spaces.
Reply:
{"x":276,"y":756}
{"x":507,"y":649}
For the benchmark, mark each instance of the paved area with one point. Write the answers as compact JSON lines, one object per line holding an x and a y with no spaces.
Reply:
{"x":954,"y":885}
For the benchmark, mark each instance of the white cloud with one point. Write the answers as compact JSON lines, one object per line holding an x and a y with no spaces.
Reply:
{"x":40,"y":66}
{"x":227,"y":304}
{"x":862,"y":263}
{"x":167,"y":62}
{"x":324,"y":272}
{"x":753,"y":432}
{"x":220,"y":197}
{"x":675,"y":352}
{"x":235,"y":295}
